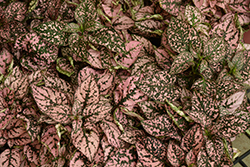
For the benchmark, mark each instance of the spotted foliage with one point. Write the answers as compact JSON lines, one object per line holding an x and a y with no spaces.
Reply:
{"x":204,"y":110}
{"x":203,"y":159}
{"x":10,"y":157}
{"x":123,"y":157}
{"x":215,"y":50}
{"x":181,"y":36}
{"x":86,"y":142}
{"x":5,"y":61}
{"x":172,"y":7}
{"x":159,"y":86}
{"x":229,"y":126}
{"x":52,"y":32}
{"x":175,"y":154}
{"x":193,"y":139}
{"x":215,"y":149}
{"x":161,"y":126}
{"x":85,"y":12}
{"x":181,"y":63}
{"x":151,"y":109}
{"x":109,"y":38}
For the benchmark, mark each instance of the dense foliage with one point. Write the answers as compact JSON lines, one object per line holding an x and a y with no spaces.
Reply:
{"x":130,"y":83}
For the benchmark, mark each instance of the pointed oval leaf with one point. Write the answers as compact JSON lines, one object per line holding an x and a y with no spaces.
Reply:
{"x":163,"y":59}
{"x":193,"y":15}
{"x":60,"y":113}
{"x":193,"y":139}
{"x":72,"y":27}
{"x":175,"y":154}
{"x":203,"y":159}
{"x":161,"y":126}
{"x":215,"y":149}
{"x":123,"y":157}
{"x":109,"y":38}
{"x":233,"y":102}
{"x":155,"y":147}
{"x":215,"y":50}
{"x":181,"y":35}
{"x":85,"y":12}
{"x":50,"y":139}
{"x":48,"y":97}
{"x":112,"y":133}
{"x":15,"y":11}
{"x":96,"y":112}
{"x":172,"y":7}
{"x":181,"y":63}
{"x":52,"y":32}
{"x":229,"y":126}
{"x":145,"y":158}
{"x":31,"y":151}
{"x":122,"y":23}
{"x":203,"y":108}
{"x":88,"y":92}
{"x":10,"y":157}
{"x":5,"y":60}
{"x":85,"y":142}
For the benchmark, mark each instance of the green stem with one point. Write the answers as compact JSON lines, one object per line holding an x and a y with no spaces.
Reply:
{"x":175,"y":122}
{"x":178,"y":111}
{"x":72,"y":3}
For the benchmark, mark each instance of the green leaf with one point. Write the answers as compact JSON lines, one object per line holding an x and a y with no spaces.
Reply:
{"x":85,"y":12}
{"x":193,"y":15}
{"x":181,"y":63}
{"x":215,"y":50}
{"x":52,"y":32}
{"x":109,"y":38}
{"x":64,"y":66}
{"x":172,"y":7}
{"x":181,"y":36}
{"x":72,"y":27}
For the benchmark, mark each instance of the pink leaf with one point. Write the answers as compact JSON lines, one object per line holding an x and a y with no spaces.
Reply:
{"x":123,"y":157}
{"x":134,"y":48}
{"x":5,"y":60}
{"x":161,"y":126}
{"x":78,"y":160}
{"x":48,"y":97}
{"x":175,"y":154}
{"x":88,"y":92}
{"x":112,"y":133}
{"x":10,"y":157}
{"x":85,"y":142}
{"x":50,"y":139}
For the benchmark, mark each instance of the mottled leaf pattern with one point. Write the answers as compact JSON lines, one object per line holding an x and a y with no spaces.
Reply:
{"x":172,"y":7}
{"x":88,"y":92}
{"x":204,"y":109}
{"x":52,"y":32}
{"x":193,"y":139}
{"x":85,"y":12}
{"x":175,"y":154}
{"x":160,"y":126}
{"x":112,"y":132}
{"x":215,"y":50}
{"x":229,"y":126}
{"x":181,"y":63}
{"x":5,"y":60}
{"x":159,"y":86}
{"x":123,"y":157}
{"x":50,"y":139}
{"x":215,"y":149}
{"x":132,"y":137}
{"x":181,"y":36}
{"x":10,"y":158}
{"x":86,"y":142}
{"x":151,"y":109}
{"x":109,"y":38}
{"x":203,"y":159}
{"x":145,"y":158}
